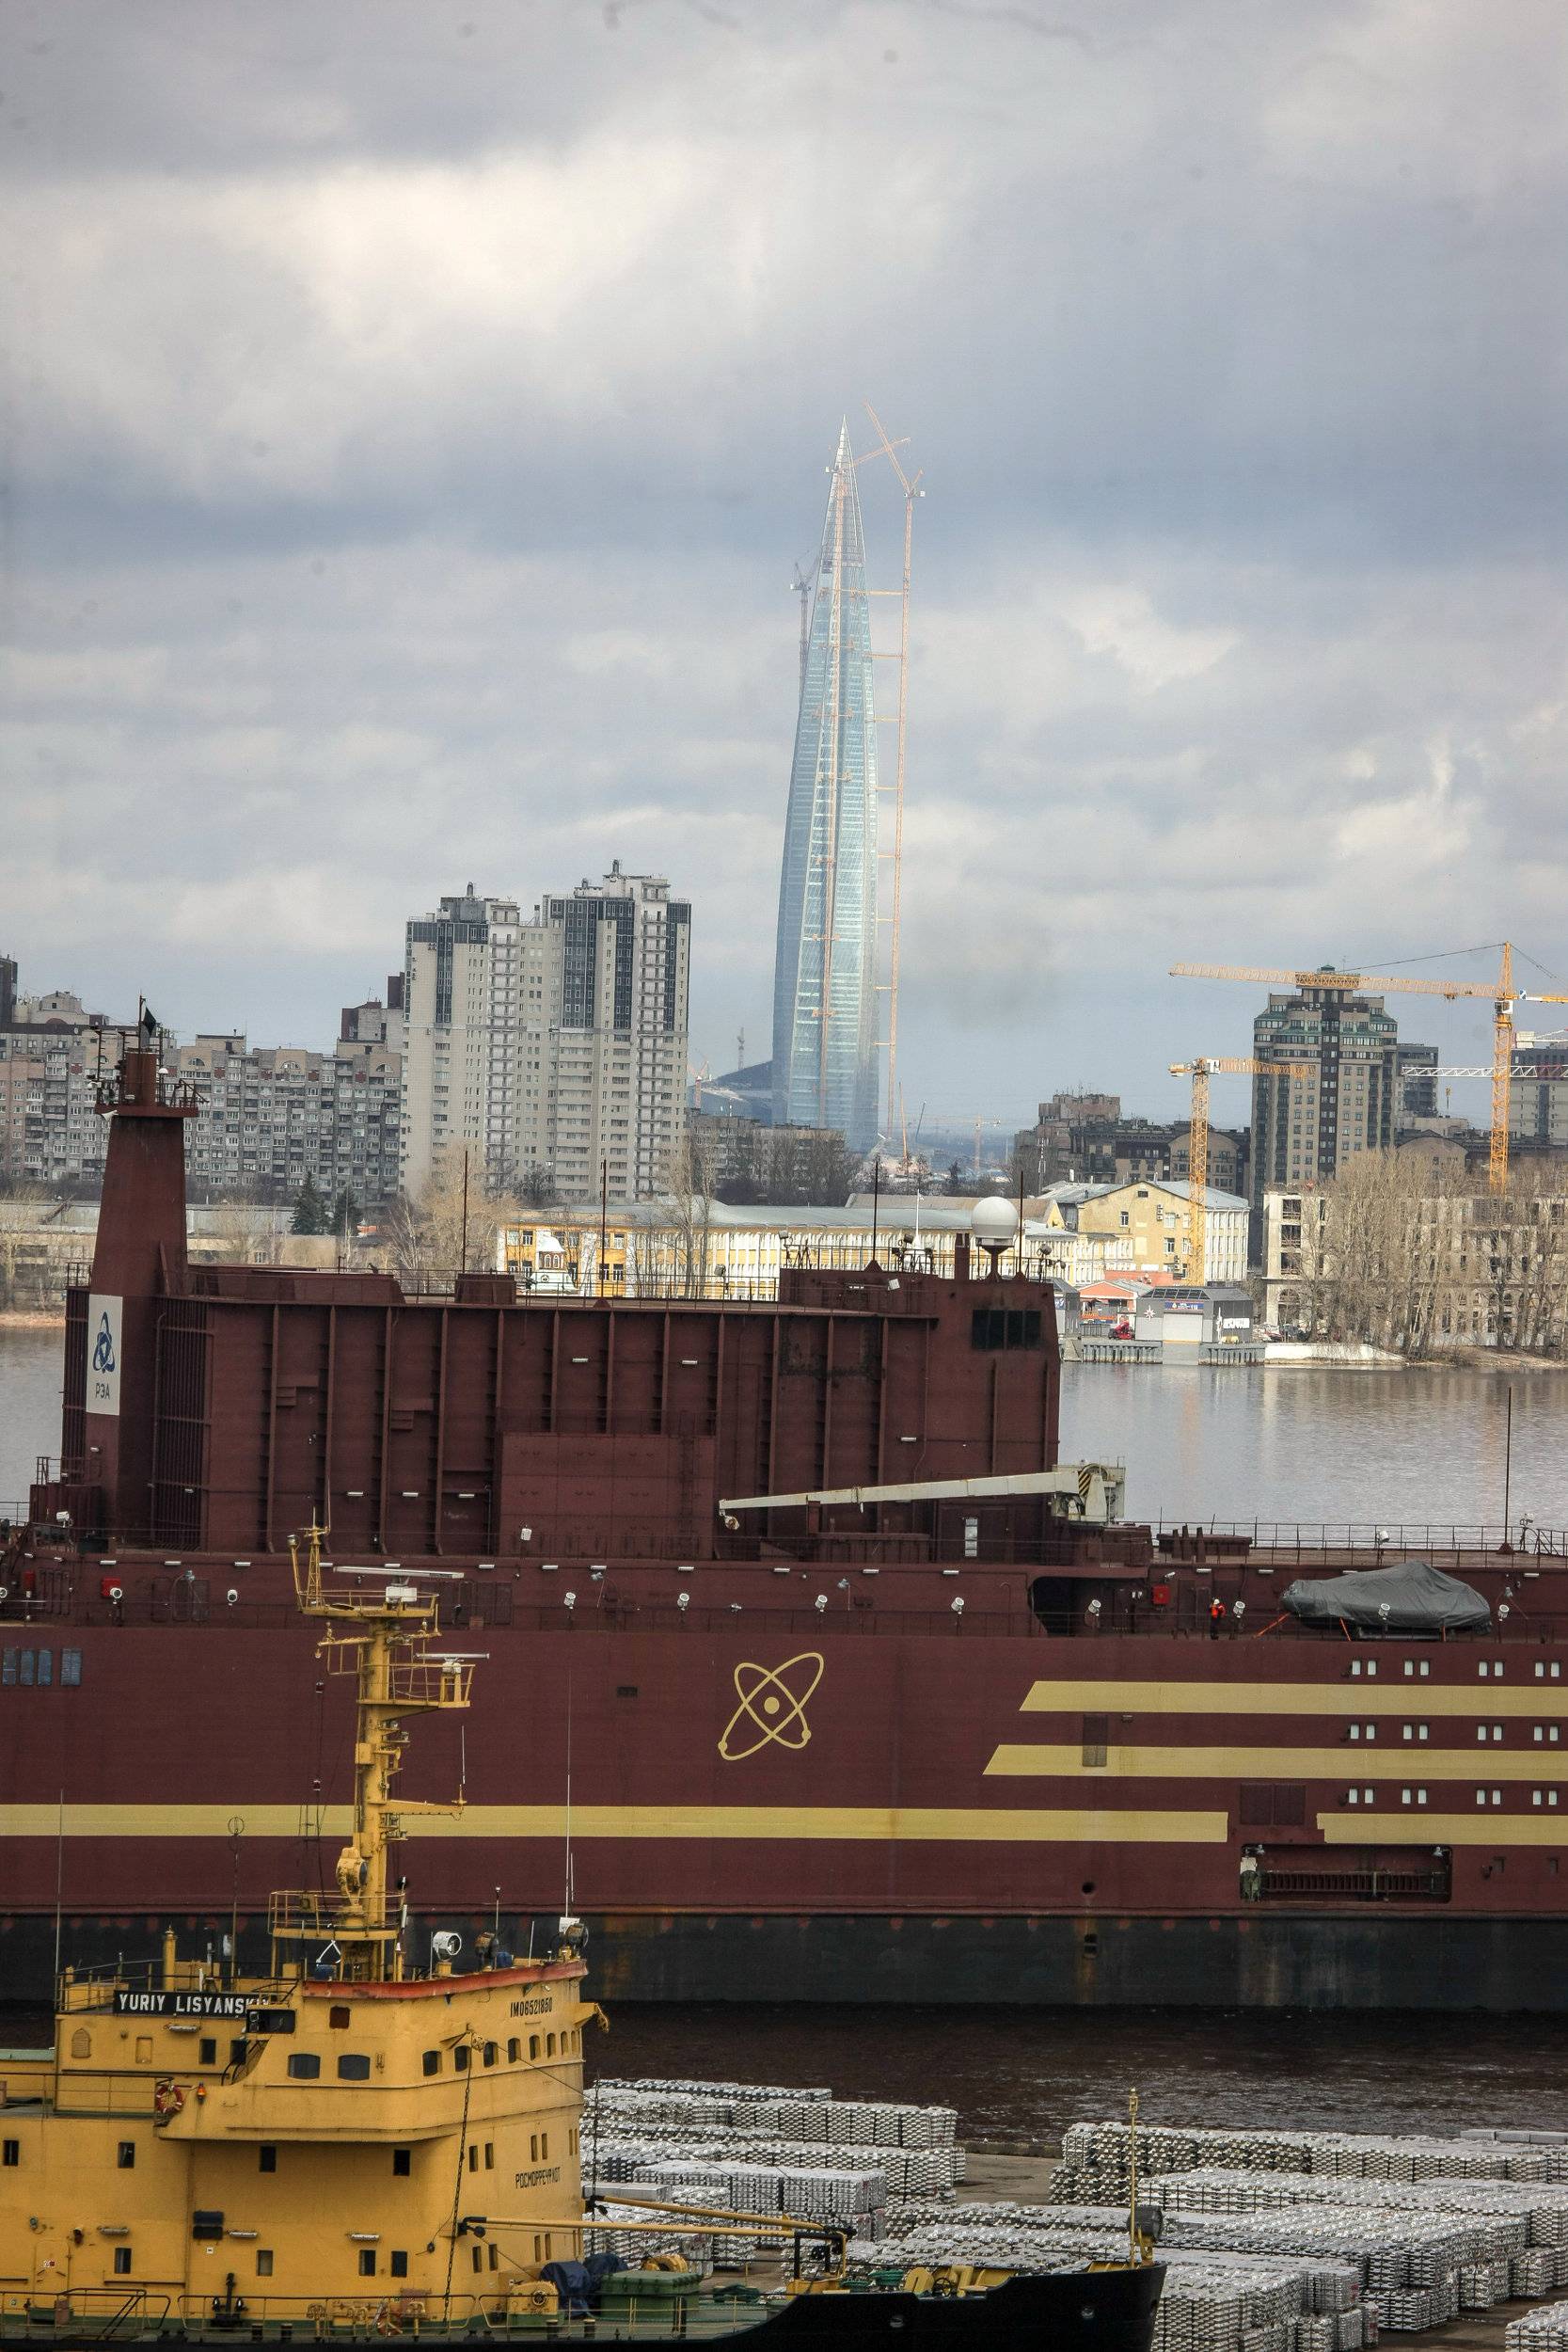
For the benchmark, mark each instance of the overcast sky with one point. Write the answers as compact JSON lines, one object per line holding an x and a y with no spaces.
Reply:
{"x":413,"y":413}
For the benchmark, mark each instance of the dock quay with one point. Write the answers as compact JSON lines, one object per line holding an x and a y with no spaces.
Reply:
{"x":1273,"y":2241}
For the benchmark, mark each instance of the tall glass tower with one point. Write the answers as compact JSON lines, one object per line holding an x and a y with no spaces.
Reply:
{"x":825,"y":970}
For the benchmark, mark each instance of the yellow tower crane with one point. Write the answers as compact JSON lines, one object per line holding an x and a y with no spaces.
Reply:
{"x":1503,"y":994}
{"x":1206,"y":1067}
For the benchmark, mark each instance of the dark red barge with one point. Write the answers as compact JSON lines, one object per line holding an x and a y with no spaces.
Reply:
{"x":842,"y":1687}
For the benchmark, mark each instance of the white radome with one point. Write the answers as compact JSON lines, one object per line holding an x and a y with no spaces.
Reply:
{"x":993,"y":1222}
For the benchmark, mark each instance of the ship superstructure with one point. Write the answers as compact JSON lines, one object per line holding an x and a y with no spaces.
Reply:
{"x":842,"y":1684}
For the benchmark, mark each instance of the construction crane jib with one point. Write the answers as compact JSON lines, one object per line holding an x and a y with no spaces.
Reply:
{"x":1208,"y":1065}
{"x":1502,"y":992}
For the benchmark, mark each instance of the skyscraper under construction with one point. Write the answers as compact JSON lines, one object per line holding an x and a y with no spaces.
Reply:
{"x":825,"y":973}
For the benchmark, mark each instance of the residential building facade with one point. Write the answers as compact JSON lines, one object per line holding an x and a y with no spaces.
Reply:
{"x":271,"y":1117}
{"x":1148,"y":1223}
{"x":1538,"y":1094}
{"x":552,"y":1044}
{"x":1303,"y":1128}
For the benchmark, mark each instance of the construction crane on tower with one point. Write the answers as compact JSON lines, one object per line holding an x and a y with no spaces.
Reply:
{"x":1208,"y":1065}
{"x":1503,"y":994}
{"x":910,"y":484}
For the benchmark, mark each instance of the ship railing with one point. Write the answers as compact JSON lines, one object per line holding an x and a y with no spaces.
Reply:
{"x":307,"y":1910}
{"x":1365,"y":1543}
{"x":107,"y":2311}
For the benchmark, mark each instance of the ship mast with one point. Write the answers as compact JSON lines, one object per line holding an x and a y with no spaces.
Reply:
{"x":382,"y":1637}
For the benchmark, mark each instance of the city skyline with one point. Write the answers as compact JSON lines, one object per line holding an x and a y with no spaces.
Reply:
{"x":417,"y":428}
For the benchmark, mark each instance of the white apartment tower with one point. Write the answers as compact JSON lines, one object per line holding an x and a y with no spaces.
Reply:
{"x":558,"y":1043}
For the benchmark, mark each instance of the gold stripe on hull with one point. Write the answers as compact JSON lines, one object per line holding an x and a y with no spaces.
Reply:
{"x":1494,"y":1830}
{"x":1417,"y":1762}
{"x":859,"y":1824}
{"x":1548,"y":1701}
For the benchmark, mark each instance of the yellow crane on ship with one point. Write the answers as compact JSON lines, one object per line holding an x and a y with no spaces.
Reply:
{"x":1503,"y":994}
{"x":1208,"y":1065}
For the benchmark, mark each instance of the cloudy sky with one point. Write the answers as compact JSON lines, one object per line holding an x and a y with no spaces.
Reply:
{"x":413,"y":412}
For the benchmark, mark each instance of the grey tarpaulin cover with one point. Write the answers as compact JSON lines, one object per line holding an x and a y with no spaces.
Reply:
{"x":1419,"y":1598}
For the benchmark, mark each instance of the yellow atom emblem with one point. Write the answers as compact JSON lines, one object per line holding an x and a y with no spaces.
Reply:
{"x":773,"y":1706}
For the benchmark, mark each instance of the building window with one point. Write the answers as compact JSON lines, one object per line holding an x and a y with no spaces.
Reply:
{"x":304,"y":2065}
{"x":354,"y":2067}
{"x":122,"y":2260}
{"x":127,"y":2157}
{"x":397,"y":2263}
{"x":367,"y":2262}
{"x":263,"y":2262}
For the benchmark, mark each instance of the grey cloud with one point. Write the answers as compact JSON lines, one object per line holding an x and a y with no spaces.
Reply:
{"x":413,"y":428}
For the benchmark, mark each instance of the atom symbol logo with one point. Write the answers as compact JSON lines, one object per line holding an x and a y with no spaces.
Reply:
{"x":773,"y":1706}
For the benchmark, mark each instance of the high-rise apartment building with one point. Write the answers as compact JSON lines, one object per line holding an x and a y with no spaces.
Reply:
{"x":825,"y":969}
{"x":552,"y":1046}
{"x":1538,"y":1094}
{"x":1303,"y":1128}
{"x":269,"y":1116}
{"x":1418,"y":1081}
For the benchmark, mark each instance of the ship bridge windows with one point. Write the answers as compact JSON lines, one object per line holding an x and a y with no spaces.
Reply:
{"x":1492,"y":1796}
{"x":1493,"y":1666}
{"x":1544,"y":1672}
{"x":492,"y":2053}
{"x":1547,"y":1732}
{"x":1417,"y":1666}
{"x":433,"y":2062}
{"x":1361,"y":1796}
{"x":1413,"y":1796}
{"x":1364,"y":1666}
{"x":304,"y":2065}
{"x":1489,"y":1731}
{"x":1363,"y":1731}
{"x":461,"y":2057}
{"x":1542,"y":1796}
{"x":1416,"y":1731}
{"x":354,"y":2066}
{"x":533,"y":2045}
{"x":513,"y":2051}
{"x":993,"y":1328}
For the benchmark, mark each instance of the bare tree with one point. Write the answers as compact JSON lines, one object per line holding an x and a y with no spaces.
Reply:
{"x":687,"y":1189}
{"x":450,"y":1224}
{"x":247,"y":1231}
{"x":20,"y":1219}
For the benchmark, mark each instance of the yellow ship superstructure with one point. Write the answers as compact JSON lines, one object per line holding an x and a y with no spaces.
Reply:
{"x":306,"y":2144}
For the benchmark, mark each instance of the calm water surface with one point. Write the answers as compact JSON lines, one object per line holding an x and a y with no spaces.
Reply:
{"x":1413,"y":1446}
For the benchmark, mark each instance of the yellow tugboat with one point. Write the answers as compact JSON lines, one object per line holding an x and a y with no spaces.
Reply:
{"x":354,"y":2147}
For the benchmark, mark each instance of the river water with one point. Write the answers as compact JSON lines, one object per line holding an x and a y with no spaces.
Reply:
{"x":1286,"y":1444}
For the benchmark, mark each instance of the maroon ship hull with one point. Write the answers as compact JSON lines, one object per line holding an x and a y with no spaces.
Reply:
{"x":925,"y":1739}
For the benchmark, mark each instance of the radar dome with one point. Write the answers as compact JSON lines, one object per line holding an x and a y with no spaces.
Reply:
{"x":993,"y":1222}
